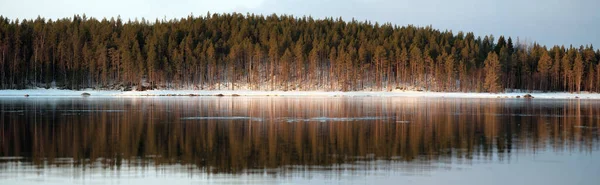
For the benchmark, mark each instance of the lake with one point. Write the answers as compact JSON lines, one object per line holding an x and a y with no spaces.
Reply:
{"x":298,"y":140}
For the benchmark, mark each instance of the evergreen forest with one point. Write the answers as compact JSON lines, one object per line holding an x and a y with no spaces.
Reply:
{"x":280,"y":52}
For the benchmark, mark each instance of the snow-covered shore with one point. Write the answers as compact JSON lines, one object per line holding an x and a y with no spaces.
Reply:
{"x":114,"y":93}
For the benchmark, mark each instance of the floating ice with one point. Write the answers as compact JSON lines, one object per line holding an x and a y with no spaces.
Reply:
{"x":223,"y":118}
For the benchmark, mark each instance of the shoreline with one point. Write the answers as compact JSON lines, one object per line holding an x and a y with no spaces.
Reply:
{"x":40,"y":92}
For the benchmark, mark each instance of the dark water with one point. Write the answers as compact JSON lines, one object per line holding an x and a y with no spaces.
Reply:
{"x":286,"y":140}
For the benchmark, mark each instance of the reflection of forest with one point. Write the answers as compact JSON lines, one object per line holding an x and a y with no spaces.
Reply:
{"x":275,"y":132}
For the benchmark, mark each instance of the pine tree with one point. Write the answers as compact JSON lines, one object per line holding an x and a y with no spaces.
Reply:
{"x":450,"y":72}
{"x":566,"y":68}
{"x":510,"y":47}
{"x":416,"y":64}
{"x":299,"y":59}
{"x":274,"y":57}
{"x":544,"y":66}
{"x":501,"y":44}
{"x":332,"y":59}
{"x":402,"y":62}
{"x":285,"y":68}
{"x":578,"y":72}
{"x":213,"y":68}
{"x":555,"y":72}
{"x":492,"y":73}
{"x":313,"y":65}
{"x":380,"y":57}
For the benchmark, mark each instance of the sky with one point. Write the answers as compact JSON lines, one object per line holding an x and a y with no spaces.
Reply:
{"x":548,"y":22}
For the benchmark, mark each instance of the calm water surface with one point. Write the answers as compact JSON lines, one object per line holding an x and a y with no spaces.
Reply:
{"x":298,"y":140}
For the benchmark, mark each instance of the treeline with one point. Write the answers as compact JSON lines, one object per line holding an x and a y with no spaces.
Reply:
{"x":232,"y":51}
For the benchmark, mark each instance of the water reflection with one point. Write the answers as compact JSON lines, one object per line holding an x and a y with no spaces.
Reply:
{"x":245,"y":135}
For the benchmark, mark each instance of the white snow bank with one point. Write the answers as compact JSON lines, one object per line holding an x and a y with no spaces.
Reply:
{"x":103,"y":93}
{"x":56,"y":92}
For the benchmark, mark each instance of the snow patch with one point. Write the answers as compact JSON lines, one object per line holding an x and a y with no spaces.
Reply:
{"x":93,"y":111}
{"x":334,"y":119}
{"x":41,"y":92}
{"x":223,"y":118}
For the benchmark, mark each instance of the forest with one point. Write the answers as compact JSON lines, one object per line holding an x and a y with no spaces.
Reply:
{"x":234,"y":51}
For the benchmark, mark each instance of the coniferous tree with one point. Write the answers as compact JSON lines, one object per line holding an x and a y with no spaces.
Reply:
{"x":544,"y":66}
{"x":578,"y":72}
{"x":450,"y":72}
{"x":492,"y":73}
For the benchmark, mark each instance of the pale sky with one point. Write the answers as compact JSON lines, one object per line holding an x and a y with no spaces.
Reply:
{"x":549,"y":22}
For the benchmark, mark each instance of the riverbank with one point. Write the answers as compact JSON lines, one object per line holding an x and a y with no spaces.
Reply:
{"x":105,"y":93}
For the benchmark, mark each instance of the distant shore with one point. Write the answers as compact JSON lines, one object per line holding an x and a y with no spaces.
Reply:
{"x":115,"y":93}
